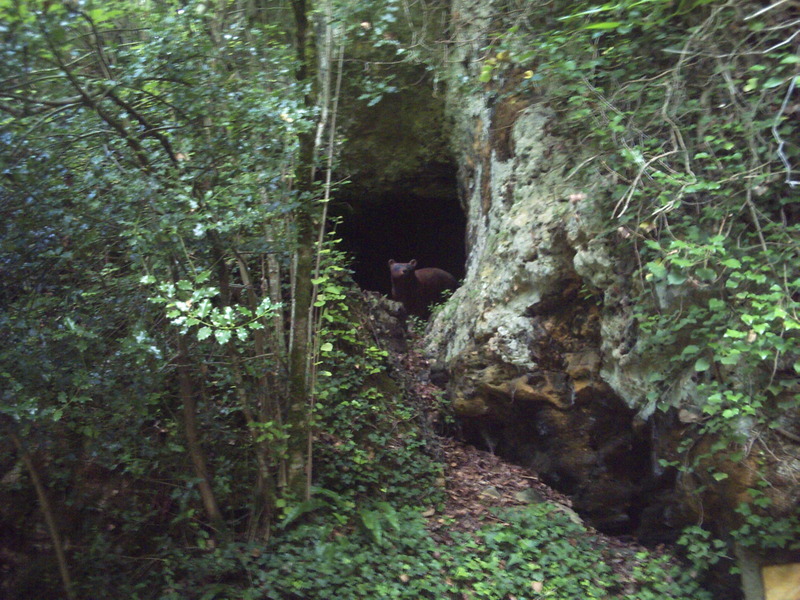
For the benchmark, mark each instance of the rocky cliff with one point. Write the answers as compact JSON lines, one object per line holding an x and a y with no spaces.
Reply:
{"x":546,"y":363}
{"x":536,"y":339}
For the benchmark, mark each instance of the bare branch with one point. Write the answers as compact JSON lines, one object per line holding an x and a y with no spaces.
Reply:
{"x":626,"y":199}
{"x":781,"y":142}
{"x":765,"y":9}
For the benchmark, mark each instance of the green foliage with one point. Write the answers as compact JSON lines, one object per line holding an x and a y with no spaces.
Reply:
{"x":145,"y":140}
{"x":701,"y":548}
{"x":328,"y":562}
{"x":763,"y":530}
{"x":538,"y":549}
{"x":541,"y":549}
{"x":533,"y":552}
{"x":187,"y":305}
{"x":659,"y":577}
{"x":743,"y":320}
{"x":372,"y":445}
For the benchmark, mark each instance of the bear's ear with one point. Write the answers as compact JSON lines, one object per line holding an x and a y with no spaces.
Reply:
{"x":412,"y":263}
{"x":391,"y":262}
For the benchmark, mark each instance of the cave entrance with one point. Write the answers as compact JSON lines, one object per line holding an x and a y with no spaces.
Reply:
{"x":417,"y":217}
{"x":594,"y":454}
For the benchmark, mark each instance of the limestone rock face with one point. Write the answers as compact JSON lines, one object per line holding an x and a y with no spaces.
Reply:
{"x":540,"y":342}
{"x":527,"y":339}
{"x":782,"y":582}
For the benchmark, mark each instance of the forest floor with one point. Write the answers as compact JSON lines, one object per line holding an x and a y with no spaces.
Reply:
{"x":479,"y":482}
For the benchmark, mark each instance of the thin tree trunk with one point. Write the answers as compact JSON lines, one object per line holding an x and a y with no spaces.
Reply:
{"x":264,"y":408}
{"x":275,"y":378}
{"x":264,"y":504}
{"x":297,"y":415}
{"x":271,"y":287}
{"x":196,"y":454}
{"x":47,"y":511}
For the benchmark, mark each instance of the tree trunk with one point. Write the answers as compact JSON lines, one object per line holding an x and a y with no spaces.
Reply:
{"x":196,"y":454}
{"x":298,"y":411}
{"x":47,"y":511}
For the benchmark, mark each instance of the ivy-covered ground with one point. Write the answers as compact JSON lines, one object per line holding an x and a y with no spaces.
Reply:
{"x":482,"y":491}
{"x":479,"y":483}
{"x":403,"y":512}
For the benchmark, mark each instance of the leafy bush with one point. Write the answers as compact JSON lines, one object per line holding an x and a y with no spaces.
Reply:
{"x":536,"y":552}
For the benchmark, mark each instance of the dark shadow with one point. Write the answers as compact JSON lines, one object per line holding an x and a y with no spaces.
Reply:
{"x":418,"y":218}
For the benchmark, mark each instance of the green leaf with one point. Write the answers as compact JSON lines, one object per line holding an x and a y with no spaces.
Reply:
{"x":702,"y":364}
{"x":706,"y":274}
{"x":204,"y":308}
{"x":653,"y":245}
{"x":773,"y":82}
{"x":300,"y":509}
{"x":326,"y":347}
{"x":675,"y":278}
{"x":731,"y":263}
{"x":604,"y":25}
{"x":203,"y":333}
{"x":657,"y":269}
{"x":690,"y":350}
{"x":373,"y":525}
{"x":735,"y":334}
{"x":716,"y":304}
{"x":100,"y":15}
{"x":223,"y":335}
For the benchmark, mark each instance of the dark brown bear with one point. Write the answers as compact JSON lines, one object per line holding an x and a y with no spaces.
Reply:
{"x":416,"y":288}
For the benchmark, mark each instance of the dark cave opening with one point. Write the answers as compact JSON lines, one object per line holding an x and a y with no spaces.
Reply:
{"x":595,"y":455}
{"x":418,"y":217}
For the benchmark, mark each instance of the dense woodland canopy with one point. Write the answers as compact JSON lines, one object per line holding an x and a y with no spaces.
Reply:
{"x":181,"y":354}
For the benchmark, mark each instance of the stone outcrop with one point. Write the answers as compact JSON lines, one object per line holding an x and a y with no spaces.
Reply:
{"x":526,"y":340}
{"x":540,"y":345}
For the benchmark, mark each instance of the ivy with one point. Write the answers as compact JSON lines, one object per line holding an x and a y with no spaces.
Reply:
{"x":386,"y":552}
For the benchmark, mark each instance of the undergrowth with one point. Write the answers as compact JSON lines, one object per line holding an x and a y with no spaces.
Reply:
{"x":535,"y":552}
{"x":364,"y":533}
